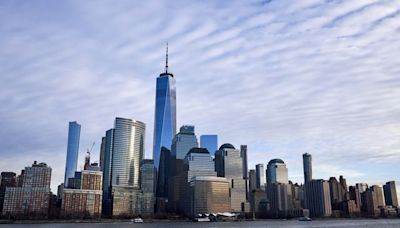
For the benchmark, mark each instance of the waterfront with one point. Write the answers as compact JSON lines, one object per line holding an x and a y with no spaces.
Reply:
{"x":365,"y":223}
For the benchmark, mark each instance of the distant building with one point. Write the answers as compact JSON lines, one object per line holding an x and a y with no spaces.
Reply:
{"x":307,"y":166}
{"x":390,"y":194}
{"x":370,"y":203}
{"x":260,"y":176}
{"x":280,"y":196}
{"x":243,"y":155}
{"x":147,"y":196}
{"x":228,"y":164}
{"x":379,"y":195}
{"x":277,"y":172}
{"x":74,"y":132}
{"x":253,"y":180}
{"x":108,"y":151}
{"x":255,"y":198}
{"x":210,"y":142}
{"x":83,"y":197}
{"x":317,"y":196}
{"x":32,"y":199}
{"x":209,"y":195}
{"x":354,"y":194}
{"x":8,"y":179}
{"x":183,"y":142}
{"x":362,"y":187}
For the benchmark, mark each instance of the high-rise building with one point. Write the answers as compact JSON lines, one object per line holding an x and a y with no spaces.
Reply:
{"x":243,"y":155}
{"x":8,"y":179}
{"x":260,"y":176}
{"x":280,"y":196}
{"x":390,"y":194}
{"x":277,"y":172}
{"x":165,"y":114}
{"x":229,"y":164}
{"x":108,"y":153}
{"x":128,"y":151}
{"x":318,"y":200}
{"x":83,"y":197}
{"x":74,"y":133}
{"x":102,"y":152}
{"x":32,"y":199}
{"x":369,"y":203}
{"x":183,"y":142}
{"x":379,"y":195}
{"x":146,"y":197}
{"x":210,"y":142}
{"x":362,"y":187}
{"x":354,"y":194}
{"x":307,"y":166}
{"x":335,"y":190}
{"x":252,"y":180}
{"x":209,"y":194}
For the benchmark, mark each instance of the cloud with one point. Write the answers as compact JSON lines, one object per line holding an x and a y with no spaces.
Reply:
{"x":316,"y":76}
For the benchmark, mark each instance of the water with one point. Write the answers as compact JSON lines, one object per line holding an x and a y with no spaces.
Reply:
{"x":342,"y":223}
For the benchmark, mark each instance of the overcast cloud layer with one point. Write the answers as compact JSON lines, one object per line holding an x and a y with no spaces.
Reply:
{"x":284,"y":77}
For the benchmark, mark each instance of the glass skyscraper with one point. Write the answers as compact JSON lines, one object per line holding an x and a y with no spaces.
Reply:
{"x":307,"y":166}
{"x":165,"y":114}
{"x":183,"y":142}
{"x":127,"y":152}
{"x":74,"y":133}
{"x":210,"y":142}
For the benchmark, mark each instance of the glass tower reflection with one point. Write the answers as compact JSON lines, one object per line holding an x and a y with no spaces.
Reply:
{"x":165,"y":114}
{"x":74,"y":133}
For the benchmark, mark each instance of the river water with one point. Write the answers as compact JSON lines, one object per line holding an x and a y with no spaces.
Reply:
{"x":340,"y":223}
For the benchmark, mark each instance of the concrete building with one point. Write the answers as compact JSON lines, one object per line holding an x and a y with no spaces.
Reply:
{"x":243,"y":155}
{"x":183,"y":142}
{"x":229,"y":164}
{"x":32,"y":199}
{"x":317,"y":196}
{"x":379,"y":195}
{"x":260,"y":176}
{"x":147,"y":196}
{"x":369,"y":203}
{"x":307,"y":167}
{"x":209,"y":195}
{"x":74,"y":132}
{"x":390,"y":194}
{"x":83,"y":197}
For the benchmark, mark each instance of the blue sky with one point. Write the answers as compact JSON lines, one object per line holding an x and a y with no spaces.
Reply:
{"x":284,"y":77}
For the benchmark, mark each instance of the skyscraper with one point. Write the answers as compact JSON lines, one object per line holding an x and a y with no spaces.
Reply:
{"x":8,"y":179}
{"x":318,"y":199}
{"x":389,"y":190}
{"x":165,"y":114}
{"x":128,"y":151}
{"x":74,"y":132}
{"x":229,"y":164}
{"x":277,"y":172}
{"x":260,"y":177}
{"x":210,"y":142}
{"x":252,"y":180}
{"x":108,"y":149}
{"x":183,"y":142}
{"x":307,"y":166}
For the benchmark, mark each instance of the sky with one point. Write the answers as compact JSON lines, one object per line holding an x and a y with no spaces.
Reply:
{"x":284,"y":77}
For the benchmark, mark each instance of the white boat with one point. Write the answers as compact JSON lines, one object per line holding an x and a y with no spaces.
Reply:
{"x":205,"y":219}
{"x":137,"y":220}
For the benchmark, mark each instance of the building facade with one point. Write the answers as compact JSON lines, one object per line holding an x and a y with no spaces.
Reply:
{"x":277,"y":172}
{"x":8,"y":179}
{"x":74,"y":132}
{"x":32,"y":198}
{"x":210,"y":142}
{"x":260,"y":176}
{"x":390,"y":192}
{"x":183,"y":142}
{"x":318,"y":200}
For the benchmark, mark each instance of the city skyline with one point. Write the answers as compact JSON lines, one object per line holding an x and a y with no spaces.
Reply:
{"x":346,"y":120}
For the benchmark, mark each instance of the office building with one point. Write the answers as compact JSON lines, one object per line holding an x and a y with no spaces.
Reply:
{"x":229,"y":164}
{"x":74,"y":132}
{"x":362,"y":187}
{"x":183,"y":142}
{"x":83,"y":197}
{"x":32,"y":199}
{"x":390,"y":192}
{"x":108,"y":153}
{"x":380,"y":200}
{"x":307,"y":167}
{"x":146,"y":197}
{"x":243,"y":155}
{"x":165,"y":115}
{"x":317,"y":197}
{"x":260,"y":176}
{"x":253,"y":180}
{"x":210,"y":142}
{"x":277,"y":172}
{"x":209,"y":194}
{"x":369,"y":203}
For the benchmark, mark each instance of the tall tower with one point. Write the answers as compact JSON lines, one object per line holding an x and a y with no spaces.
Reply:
{"x":307,"y":166}
{"x":128,"y":151}
{"x":74,"y":133}
{"x":165,"y":113}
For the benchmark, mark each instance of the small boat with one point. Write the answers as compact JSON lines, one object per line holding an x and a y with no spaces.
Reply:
{"x":204,"y":219}
{"x":137,"y":220}
{"x":305,"y":219}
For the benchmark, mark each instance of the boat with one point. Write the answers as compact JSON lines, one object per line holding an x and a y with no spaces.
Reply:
{"x":204,"y":219}
{"x":305,"y":219}
{"x":137,"y":220}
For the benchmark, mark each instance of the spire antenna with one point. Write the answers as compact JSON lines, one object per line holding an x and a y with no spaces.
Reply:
{"x":166,"y":60}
